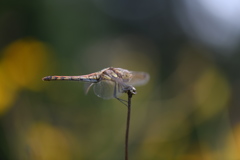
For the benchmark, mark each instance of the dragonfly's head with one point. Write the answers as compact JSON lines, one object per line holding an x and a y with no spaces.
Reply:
{"x":133,"y":90}
{"x":130,"y":89}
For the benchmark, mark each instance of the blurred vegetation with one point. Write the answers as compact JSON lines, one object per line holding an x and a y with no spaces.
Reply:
{"x":187,"y":111}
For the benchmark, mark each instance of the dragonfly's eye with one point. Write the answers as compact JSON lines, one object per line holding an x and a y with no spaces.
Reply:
{"x":133,"y":90}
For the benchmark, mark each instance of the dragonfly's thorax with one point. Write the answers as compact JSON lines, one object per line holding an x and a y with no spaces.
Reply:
{"x":94,"y":76}
{"x":110,"y":73}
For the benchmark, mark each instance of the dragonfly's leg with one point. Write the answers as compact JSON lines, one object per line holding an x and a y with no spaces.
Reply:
{"x":115,"y":96}
{"x":122,"y":101}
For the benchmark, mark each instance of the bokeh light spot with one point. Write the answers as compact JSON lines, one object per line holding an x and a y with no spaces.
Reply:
{"x":7,"y":92}
{"x":47,"y":142}
{"x":24,"y":60}
{"x":212,"y":93}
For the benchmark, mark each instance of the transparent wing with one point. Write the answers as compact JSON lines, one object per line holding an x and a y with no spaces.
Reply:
{"x":138,"y":78}
{"x":108,"y":89}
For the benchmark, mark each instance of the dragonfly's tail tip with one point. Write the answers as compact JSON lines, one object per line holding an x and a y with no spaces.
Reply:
{"x":46,"y":78}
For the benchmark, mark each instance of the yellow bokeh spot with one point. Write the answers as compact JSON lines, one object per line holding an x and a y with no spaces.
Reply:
{"x":232,"y":146}
{"x":236,"y":133}
{"x":212,"y":93}
{"x":196,"y":153}
{"x":47,"y":142}
{"x":7,"y":92}
{"x":23,"y":62}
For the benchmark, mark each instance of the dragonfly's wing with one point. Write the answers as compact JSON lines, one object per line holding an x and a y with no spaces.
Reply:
{"x":107,"y":89}
{"x":138,"y":78}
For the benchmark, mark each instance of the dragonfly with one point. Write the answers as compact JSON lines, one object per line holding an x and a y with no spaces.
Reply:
{"x":109,"y":82}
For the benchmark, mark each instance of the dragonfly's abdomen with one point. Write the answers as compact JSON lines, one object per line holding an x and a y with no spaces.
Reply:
{"x":70,"y":78}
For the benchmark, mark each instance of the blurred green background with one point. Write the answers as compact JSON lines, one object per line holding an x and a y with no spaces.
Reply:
{"x":189,"y":110}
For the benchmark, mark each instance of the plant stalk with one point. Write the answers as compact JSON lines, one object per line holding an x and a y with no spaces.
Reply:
{"x":128,"y":123}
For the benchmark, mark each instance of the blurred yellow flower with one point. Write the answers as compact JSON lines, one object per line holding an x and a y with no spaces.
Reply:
{"x":236,"y":132}
{"x":211,"y":93}
{"x":47,"y":142}
{"x":232,"y":145}
{"x":21,"y":66}
{"x":7,"y":92}
{"x":23,"y":62}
